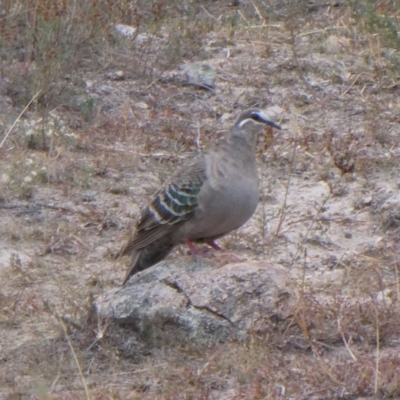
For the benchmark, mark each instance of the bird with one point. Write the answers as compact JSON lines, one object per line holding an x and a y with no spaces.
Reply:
{"x":211,"y":195}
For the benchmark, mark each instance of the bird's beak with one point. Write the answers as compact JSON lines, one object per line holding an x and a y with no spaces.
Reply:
{"x":273,"y":124}
{"x":266,"y":120}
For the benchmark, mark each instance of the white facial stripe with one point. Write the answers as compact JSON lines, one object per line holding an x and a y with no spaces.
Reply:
{"x":245,"y":121}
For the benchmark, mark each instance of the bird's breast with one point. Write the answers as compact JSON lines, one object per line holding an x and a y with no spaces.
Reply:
{"x":226,"y":201}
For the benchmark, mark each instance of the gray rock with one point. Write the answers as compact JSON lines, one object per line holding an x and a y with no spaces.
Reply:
{"x":125,"y":30}
{"x":175,"y":302}
{"x":390,"y":211}
{"x":200,"y":74}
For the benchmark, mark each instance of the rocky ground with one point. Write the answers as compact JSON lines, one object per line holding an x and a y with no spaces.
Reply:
{"x":73,"y":179}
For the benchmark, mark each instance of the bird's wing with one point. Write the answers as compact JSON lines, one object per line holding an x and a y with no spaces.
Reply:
{"x":172,"y":204}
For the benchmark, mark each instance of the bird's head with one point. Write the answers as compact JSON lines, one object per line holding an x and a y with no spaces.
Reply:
{"x":250,"y":124}
{"x":254,"y":117}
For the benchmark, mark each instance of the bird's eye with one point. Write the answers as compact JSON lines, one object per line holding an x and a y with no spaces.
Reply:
{"x":257,"y":117}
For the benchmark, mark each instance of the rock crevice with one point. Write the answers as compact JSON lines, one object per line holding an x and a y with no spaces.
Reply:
{"x":176,"y":286}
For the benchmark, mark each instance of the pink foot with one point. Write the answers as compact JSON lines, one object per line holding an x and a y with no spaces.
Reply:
{"x":192,"y":247}
{"x":224,"y":258}
{"x":203,"y":251}
{"x":214,"y":245}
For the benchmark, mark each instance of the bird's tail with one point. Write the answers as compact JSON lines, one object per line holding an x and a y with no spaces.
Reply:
{"x":148,"y":256}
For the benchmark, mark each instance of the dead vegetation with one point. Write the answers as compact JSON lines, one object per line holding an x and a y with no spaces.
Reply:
{"x":91,"y":120}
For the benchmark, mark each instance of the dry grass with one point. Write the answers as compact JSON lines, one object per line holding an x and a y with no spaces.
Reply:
{"x":76,"y":165}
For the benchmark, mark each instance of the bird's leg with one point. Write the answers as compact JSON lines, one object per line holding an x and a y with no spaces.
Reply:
{"x":226,"y":256}
{"x":192,"y":247}
{"x":214,"y":245}
{"x":200,"y":252}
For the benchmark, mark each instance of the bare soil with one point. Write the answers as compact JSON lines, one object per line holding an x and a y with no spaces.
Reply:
{"x":72,"y":184}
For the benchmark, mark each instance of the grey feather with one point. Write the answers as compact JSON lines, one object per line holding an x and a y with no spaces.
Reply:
{"x":207,"y":198}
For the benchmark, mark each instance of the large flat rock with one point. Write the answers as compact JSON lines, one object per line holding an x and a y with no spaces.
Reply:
{"x":192,"y":300}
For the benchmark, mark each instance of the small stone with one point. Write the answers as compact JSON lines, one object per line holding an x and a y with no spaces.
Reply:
{"x":348,"y":235}
{"x":387,"y":296}
{"x":142,"y":105}
{"x":144,"y":37}
{"x":125,"y":30}
{"x":116,"y":75}
{"x":390,"y":211}
{"x":200,"y":74}
{"x":5,"y":179}
{"x":366,"y":201}
{"x":88,"y":197}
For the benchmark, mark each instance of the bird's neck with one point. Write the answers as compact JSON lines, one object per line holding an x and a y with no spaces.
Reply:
{"x":243,"y":142}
